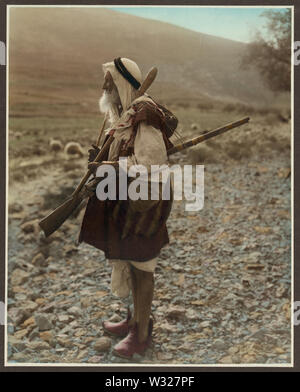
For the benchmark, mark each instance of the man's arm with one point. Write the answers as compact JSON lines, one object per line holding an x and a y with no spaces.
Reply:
{"x":149,"y":147}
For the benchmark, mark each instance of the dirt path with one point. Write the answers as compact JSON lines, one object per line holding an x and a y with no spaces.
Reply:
{"x":221,"y":289}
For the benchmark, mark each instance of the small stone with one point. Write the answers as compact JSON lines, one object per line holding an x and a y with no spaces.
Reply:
{"x":47,"y":336}
{"x":63,"y":318}
{"x":98,"y":315}
{"x":236,"y":358}
{"x":280,"y":291}
{"x":11,"y":302}
{"x":43,"y":322}
{"x":39,"y":345}
{"x":17,"y":343}
{"x":233,"y":350}
{"x":18,"y":277}
{"x":163,"y":356}
{"x":67,"y":329}
{"x":137,"y":357}
{"x":186,"y":347}
{"x":102,"y":344}
{"x":15,"y":207}
{"x":28,"y":306}
{"x":80,"y":332}
{"x":248,"y":358}
{"x":10,"y":329}
{"x":19,"y":357}
{"x":34,"y":334}
{"x":20,"y":297}
{"x":83,"y":354}
{"x":74,"y":324}
{"x":86,"y":302}
{"x":192,"y":314}
{"x":21,"y":334}
{"x":204,"y":324}
{"x":64,"y":341}
{"x":17,"y":316}
{"x":166,"y":327}
{"x":75,"y":311}
{"x":115,"y":318}
{"x":259,"y":335}
{"x":219,"y":344}
{"x":33,"y":296}
{"x":175,"y":312}
{"x":254,"y":267}
{"x":39,"y":260}
{"x":100,"y":294}
{"x":207,"y":331}
{"x":89,"y":339}
{"x":283,"y":357}
{"x":198,"y":303}
{"x":49,"y":307}
{"x":29,"y":321}
{"x":40,"y":301}
{"x":30,"y":227}
{"x":95,"y":359}
{"x":226,"y":359}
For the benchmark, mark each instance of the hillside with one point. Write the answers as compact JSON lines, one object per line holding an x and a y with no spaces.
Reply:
{"x":57,"y":57}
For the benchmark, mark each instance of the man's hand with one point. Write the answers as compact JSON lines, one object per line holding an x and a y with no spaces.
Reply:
{"x":89,"y":189}
{"x":93,"y":152}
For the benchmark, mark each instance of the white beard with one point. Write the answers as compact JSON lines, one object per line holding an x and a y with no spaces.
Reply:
{"x":109,"y":102}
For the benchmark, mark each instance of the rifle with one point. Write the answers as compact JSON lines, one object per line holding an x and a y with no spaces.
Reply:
{"x":56,"y":218}
{"x":207,"y":135}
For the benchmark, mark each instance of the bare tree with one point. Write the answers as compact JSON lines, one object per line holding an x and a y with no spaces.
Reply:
{"x":270,"y":52}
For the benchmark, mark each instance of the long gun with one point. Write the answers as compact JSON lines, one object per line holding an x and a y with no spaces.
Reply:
{"x":207,"y":135}
{"x":56,"y":218}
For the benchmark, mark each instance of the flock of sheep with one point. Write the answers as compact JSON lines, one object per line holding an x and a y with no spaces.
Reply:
{"x":74,"y":148}
{"x":71,"y":148}
{"x":56,"y":146}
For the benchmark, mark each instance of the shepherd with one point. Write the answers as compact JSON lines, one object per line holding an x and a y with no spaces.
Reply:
{"x":131,"y":233}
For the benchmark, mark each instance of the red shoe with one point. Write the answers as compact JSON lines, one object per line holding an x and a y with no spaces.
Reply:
{"x":120,"y":329}
{"x":131,"y":345}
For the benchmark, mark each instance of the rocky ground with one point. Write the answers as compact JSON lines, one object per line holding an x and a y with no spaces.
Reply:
{"x":222,"y":286}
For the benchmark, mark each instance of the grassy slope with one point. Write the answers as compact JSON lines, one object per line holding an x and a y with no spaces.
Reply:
{"x":55,"y":73}
{"x":56,"y":54}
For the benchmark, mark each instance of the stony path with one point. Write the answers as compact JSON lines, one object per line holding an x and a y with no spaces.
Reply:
{"x":222,"y":286}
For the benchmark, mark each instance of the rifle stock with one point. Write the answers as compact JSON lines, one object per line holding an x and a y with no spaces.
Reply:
{"x":56,"y":218}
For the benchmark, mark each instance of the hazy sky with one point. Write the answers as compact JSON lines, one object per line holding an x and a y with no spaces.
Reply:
{"x":238,"y":24}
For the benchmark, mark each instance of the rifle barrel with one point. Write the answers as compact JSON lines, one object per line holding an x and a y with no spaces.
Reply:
{"x":208,"y":135}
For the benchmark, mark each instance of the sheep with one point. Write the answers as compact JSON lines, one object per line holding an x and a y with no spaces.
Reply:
{"x":73,"y":148}
{"x":55,"y":146}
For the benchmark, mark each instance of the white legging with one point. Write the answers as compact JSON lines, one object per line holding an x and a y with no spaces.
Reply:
{"x":120,"y":276}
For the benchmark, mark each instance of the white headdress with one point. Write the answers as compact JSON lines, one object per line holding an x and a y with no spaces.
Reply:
{"x":126,"y":91}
